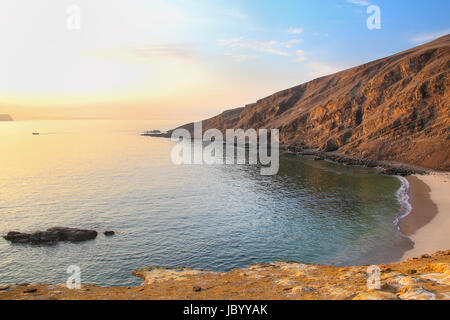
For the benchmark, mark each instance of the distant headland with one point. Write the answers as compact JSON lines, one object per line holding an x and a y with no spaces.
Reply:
{"x":6,"y":117}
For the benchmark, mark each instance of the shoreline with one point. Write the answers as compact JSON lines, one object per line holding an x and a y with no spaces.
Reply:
{"x":428,"y":223}
{"x":383,"y":166}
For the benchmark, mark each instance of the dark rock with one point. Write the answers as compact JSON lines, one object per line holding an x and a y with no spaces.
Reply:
{"x":412,"y":271}
{"x":44,"y":237}
{"x":397,"y":172}
{"x":371,"y":164}
{"x":331,"y":145}
{"x":156,"y":133}
{"x":109,"y":233}
{"x":384,"y":167}
{"x":291,"y":153}
{"x":74,"y":234}
{"x":197,"y":289}
{"x":17,"y":237}
{"x":307,"y":152}
{"x":51,"y":236}
{"x":31,"y":290}
{"x":401,"y":171}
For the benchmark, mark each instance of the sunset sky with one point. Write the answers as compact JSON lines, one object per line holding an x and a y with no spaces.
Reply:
{"x":188,"y":59}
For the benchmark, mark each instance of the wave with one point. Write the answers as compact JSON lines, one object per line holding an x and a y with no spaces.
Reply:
{"x":403,"y":199}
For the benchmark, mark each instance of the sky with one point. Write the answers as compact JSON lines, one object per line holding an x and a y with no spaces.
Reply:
{"x":188,"y":59}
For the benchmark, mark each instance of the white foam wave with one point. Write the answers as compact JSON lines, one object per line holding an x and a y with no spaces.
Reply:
{"x":403,"y":199}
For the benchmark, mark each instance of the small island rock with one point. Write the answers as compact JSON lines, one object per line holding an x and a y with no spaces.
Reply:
{"x":51,"y":236}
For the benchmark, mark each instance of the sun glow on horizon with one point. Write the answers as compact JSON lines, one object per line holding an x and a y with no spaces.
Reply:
{"x":146,"y":59}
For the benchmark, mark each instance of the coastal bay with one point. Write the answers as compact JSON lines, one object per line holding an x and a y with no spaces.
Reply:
{"x":198,"y":216}
{"x":309,"y":190}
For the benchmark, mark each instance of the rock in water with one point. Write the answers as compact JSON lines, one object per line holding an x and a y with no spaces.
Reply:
{"x":17,"y":237}
{"x":44,"y":237}
{"x":109,"y":233}
{"x":73,"y":234}
{"x":52,"y":235}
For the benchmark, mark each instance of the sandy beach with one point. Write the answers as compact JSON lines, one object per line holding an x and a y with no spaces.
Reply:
{"x":428,"y":224}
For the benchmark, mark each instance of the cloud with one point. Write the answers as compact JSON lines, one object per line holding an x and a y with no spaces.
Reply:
{"x":237,"y":13}
{"x":230,"y":42}
{"x":147,"y":52}
{"x":300,"y":56}
{"x":241,"y":57}
{"x":425,"y":37}
{"x":359,"y":2}
{"x":289,"y":44}
{"x":272,"y":46}
{"x":293,"y":30}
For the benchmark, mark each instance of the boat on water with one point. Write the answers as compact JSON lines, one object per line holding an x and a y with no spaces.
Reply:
{"x":35,"y":133}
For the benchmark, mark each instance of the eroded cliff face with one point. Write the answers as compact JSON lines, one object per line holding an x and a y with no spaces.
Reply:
{"x":394,"y":109}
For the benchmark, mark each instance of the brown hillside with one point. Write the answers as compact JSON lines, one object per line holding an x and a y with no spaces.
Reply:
{"x":396,"y":108}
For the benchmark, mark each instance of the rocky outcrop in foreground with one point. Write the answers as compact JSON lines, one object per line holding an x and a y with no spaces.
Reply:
{"x":424,"y":278}
{"x":51,"y":236}
{"x":393,"y":109}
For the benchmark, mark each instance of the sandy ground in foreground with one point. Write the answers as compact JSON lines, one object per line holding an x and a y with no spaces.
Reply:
{"x":428,"y":224}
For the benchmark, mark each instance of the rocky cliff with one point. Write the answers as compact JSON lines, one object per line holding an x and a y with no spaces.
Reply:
{"x":394,"y":109}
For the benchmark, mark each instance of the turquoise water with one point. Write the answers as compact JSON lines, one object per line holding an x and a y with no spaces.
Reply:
{"x":102,"y":175}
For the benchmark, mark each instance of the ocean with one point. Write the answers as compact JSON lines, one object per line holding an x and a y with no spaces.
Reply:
{"x":103,"y":175}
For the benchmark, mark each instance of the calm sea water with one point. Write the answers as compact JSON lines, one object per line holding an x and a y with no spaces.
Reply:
{"x":102,"y":175}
